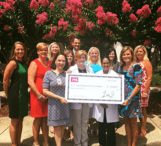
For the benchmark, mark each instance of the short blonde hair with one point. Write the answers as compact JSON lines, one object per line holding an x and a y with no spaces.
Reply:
{"x":49,"y":50}
{"x":88,"y":56}
{"x":124,"y":49}
{"x":41,"y":45}
{"x":144,"y":49}
{"x":79,"y":53}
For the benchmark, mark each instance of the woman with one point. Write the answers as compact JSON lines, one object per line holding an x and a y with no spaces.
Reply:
{"x":80,"y":111}
{"x":106,"y":114}
{"x":54,"y":88}
{"x":70,"y":57}
{"x":53,"y":49}
{"x":131,"y":107}
{"x":68,"y":134}
{"x":94,"y":61}
{"x":141,"y":57}
{"x":114,"y":64}
{"x":16,"y":91}
{"x":38,"y":101}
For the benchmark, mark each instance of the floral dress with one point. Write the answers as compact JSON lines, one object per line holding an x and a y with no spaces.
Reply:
{"x":144,"y":102}
{"x":133,"y":77}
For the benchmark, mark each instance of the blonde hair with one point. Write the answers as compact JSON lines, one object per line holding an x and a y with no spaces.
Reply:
{"x":49,"y":50}
{"x":79,"y":53}
{"x":41,"y":45}
{"x":88,"y":56}
{"x":145,"y":51}
{"x":124,"y":49}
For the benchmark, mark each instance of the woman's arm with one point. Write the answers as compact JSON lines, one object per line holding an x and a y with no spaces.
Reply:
{"x":46,"y":92}
{"x":149,"y":71}
{"x":134,"y":92}
{"x":31,"y":78}
{"x":7,"y":75}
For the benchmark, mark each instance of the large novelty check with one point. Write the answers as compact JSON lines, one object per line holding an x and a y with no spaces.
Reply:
{"x":92,"y":88}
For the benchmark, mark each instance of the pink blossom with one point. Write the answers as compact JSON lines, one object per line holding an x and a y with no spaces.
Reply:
{"x":34,"y":4}
{"x":51,"y":34}
{"x":159,"y":11}
{"x":158,"y":29}
{"x":108,"y":32}
{"x":99,"y":9}
{"x":134,"y":32}
{"x":90,"y":25}
{"x":6,"y":27}
{"x":81,"y":28}
{"x":2,"y":11}
{"x":158,"y":22}
{"x":9,"y":34}
{"x":71,"y":39}
{"x":112,"y":18}
{"x":51,"y":5}
{"x":124,"y":2}
{"x":90,"y":2}
{"x":20,"y":29}
{"x":147,"y":42}
{"x":144,"y":11}
{"x":7,"y":6}
{"x":43,"y":2}
{"x":133,"y":18}
{"x":63,"y":24}
{"x":126,"y":8}
{"x":74,"y":6}
{"x":42,"y":18}
{"x":11,"y":2}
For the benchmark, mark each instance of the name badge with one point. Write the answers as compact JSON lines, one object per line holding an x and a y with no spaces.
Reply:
{"x":59,"y":82}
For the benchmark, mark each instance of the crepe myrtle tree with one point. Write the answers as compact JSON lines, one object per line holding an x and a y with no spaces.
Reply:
{"x":96,"y":21}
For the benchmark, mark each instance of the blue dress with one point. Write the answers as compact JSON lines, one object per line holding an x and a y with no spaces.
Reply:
{"x":133,"y":77}
{"x":95,"y":67}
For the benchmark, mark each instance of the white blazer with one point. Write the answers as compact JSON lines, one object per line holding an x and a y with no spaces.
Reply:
{"x":112,"y":114}
{"x":74,"y":69}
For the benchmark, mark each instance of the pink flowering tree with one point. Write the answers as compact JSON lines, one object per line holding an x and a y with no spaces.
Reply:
{"x":96,"y":21}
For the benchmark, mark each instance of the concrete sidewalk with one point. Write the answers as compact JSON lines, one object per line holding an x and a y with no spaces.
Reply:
{"x":153,"y":137}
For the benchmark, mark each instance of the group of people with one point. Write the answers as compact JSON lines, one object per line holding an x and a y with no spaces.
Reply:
{"x":46,"y":77}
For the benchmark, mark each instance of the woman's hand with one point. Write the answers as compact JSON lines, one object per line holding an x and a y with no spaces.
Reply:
{"x":68,"y":71}
{"x":144,"y":96}
{"x":63,"y":100}
{"x":125,"y":103}
{"x":44,"y":98}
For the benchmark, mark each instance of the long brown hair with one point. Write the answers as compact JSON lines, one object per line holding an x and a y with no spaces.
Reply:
{"x":12,"y":56}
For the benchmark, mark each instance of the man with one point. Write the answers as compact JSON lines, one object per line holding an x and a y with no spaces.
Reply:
{"x":76,"y":44}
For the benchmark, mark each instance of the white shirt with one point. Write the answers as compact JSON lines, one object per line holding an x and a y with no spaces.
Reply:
{"x":74,"y":51}
{"x":112,"y":114}
{"x":74,"y":69}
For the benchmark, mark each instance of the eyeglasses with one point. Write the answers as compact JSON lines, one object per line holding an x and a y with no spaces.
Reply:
{"x":105,"y":63}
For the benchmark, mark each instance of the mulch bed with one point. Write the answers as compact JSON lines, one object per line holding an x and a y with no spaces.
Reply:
{"x":153,"y":108}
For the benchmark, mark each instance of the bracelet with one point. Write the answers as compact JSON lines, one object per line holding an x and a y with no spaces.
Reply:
{"x":145,"y":93}
{"x":40,"y":96}
{"x":128,"y":99}
{"x":56,"y":97}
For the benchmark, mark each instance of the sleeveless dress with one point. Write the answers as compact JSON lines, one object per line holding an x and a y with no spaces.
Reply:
{"x":144,"y":102}
{"x":18,"y":93}
{"x":38,"y":108}
{"x":133,"y":77}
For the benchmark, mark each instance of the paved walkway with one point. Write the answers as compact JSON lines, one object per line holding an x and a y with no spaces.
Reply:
{"x":153,"y":137}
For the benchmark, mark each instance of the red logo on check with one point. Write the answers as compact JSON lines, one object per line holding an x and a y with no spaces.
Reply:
{"x":74,"y":79}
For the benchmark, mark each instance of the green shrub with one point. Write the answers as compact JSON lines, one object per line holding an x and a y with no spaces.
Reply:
{"x":156,"y":79}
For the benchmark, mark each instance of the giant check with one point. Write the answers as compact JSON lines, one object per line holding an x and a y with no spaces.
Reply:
{"x":93,"y":88}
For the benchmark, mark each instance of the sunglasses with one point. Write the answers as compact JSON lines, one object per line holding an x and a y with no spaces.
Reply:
{"x":105,"y":63}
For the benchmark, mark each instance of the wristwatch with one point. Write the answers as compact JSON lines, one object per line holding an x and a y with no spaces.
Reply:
{"x":39,"y":97}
